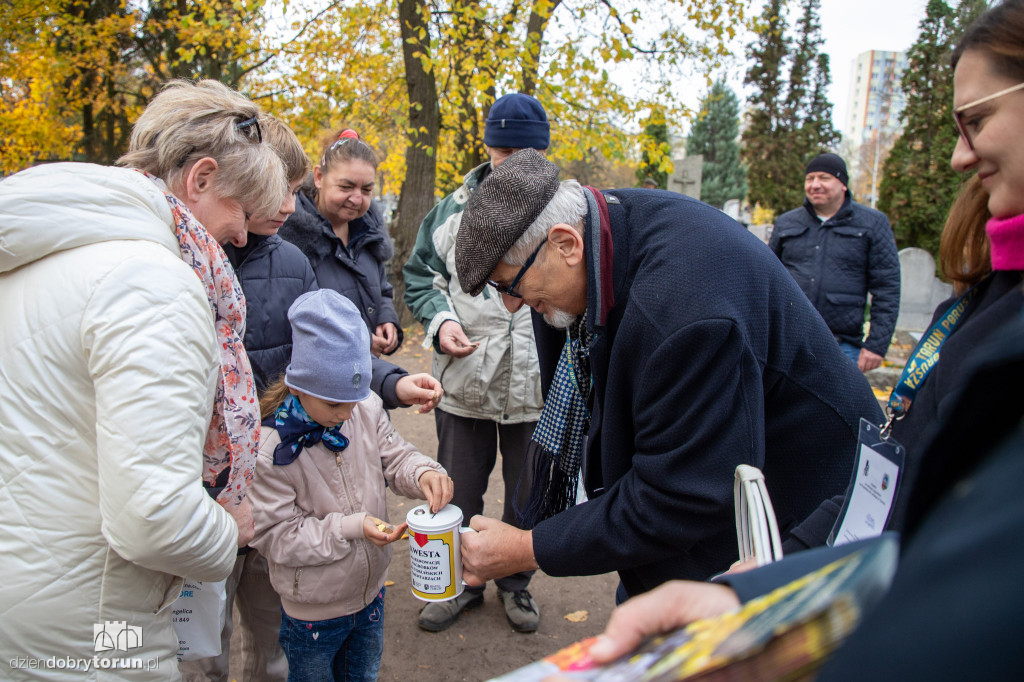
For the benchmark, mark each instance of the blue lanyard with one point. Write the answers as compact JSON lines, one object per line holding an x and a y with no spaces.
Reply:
{"x":924,"y":358}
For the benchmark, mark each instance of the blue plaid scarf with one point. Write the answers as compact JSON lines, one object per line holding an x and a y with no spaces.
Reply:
{"x":555,"y":454}
{"x":298,"y":430}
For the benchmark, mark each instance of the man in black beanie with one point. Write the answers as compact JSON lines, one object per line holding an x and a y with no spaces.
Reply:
{"x":486,"y":356}
{"x":839,"y":251}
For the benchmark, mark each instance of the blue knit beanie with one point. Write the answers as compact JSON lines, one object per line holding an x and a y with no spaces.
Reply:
{"x":330,"y":348}
{"x":517,"y":121}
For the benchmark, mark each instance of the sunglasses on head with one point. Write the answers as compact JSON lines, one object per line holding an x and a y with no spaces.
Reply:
{"x":246,"y":127}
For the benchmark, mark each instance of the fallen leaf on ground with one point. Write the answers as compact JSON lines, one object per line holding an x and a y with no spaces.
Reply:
{"x":576,"y":616}
{"x":389,"y":583}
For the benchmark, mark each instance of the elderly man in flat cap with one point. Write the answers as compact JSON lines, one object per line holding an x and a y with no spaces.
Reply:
{"x":686,"y":350}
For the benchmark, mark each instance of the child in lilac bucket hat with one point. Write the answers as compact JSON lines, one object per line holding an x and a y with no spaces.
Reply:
{"x":327,"y":453}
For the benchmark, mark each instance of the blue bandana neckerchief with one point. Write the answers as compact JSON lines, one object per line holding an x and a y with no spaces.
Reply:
{"x":298,"y":430}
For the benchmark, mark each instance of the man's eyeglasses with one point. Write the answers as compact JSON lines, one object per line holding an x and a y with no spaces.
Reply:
{"x":964,"y":107}
{"x":510,"y":290}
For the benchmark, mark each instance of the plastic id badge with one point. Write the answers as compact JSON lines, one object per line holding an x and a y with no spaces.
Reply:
{"x":873,"y":487}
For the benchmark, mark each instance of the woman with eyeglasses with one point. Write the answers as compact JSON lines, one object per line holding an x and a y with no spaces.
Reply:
{"x":345,"y":238}
{"x":125,"y":383}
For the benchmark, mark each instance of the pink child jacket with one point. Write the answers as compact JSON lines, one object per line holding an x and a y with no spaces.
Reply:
{"x":309,"y":514}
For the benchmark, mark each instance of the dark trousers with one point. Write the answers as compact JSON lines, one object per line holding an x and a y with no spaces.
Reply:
{"x":467,"y":449}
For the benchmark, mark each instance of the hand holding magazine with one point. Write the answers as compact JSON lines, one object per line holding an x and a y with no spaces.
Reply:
{"x":786,"y":634}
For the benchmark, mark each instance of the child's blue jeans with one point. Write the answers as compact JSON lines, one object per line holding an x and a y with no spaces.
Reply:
{"x":345,"y":649}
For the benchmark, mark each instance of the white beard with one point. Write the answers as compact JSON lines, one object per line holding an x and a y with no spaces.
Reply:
{"x":559,"y":319}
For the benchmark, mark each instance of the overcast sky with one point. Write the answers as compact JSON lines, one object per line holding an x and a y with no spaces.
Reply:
{"x":854,"y":26}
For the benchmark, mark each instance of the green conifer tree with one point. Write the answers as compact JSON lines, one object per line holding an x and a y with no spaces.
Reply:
{"x":808,"y":112}
{"x":715,"y":134}
{"x":797,"y":107}
{"x":918,"y":184}
{"x":762,"y":143}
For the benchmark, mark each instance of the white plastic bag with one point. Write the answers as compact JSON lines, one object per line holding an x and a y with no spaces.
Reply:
{"x":198,"y":616}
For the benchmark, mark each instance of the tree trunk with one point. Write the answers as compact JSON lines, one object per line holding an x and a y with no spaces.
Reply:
{"x":417,"y":196}
{"x":535,"y":27}
{"x":469,"y":140}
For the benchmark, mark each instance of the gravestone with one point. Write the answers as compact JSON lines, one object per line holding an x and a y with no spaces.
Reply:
{"x":920,"y":290}
{"x":762,"y":232}
{"x":687,"y":176}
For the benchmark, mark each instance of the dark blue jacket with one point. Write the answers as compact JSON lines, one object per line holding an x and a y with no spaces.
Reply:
{"x":273,"y":273}
{"x":710,"y":357}
{"x":359,"y":271}
{"x":838,"y":262}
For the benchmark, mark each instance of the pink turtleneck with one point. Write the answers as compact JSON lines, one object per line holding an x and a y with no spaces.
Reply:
{"x":1007,"y":238}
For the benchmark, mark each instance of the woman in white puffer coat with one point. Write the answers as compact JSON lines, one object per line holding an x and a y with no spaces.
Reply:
{"x":122,"y":384}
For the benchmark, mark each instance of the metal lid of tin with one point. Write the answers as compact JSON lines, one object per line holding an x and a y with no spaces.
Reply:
{"x":420,"y":519}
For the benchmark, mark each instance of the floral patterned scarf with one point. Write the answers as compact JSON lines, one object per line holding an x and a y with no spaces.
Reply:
{"x":233,"y":437}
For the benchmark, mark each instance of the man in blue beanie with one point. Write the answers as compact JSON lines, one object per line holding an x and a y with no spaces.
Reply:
{"x":486,"y":357}
{"x":839,"y":251}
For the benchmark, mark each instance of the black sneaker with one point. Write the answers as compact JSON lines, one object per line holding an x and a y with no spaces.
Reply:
{"x":520,"y":609}
{"x":438,"y":616}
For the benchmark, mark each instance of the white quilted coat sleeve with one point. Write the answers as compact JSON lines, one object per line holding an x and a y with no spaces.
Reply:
{"x":149,"y":340}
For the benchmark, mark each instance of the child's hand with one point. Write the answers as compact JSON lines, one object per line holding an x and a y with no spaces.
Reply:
{"x":438,"y":489}
{"x":380,"y":532}
{"x":419,"y":389}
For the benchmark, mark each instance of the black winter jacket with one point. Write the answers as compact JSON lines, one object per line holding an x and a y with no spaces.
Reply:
{"x":999,"y":301}
{"x":273,"y":273}
{"x":953,"y":609}
{"x":838,"y":262}
{"x":358,"y":272}
{"x":709,"y":358}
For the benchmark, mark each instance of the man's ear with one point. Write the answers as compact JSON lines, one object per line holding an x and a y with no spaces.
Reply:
{"x":568,"y":242}
{"x":200,"y":178}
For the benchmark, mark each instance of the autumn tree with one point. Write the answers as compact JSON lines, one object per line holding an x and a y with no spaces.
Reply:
{"x":321,"y":65}
{"x":74,"y":74}
{"x":918,"y":184}
{"x":715,"y":135}
{"x":656,"y":153}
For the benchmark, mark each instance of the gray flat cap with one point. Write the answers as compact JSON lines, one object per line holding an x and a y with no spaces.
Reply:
{"x":498,"y":213}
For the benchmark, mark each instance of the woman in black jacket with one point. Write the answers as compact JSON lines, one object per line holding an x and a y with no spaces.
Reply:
{"x":345,"y":240}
